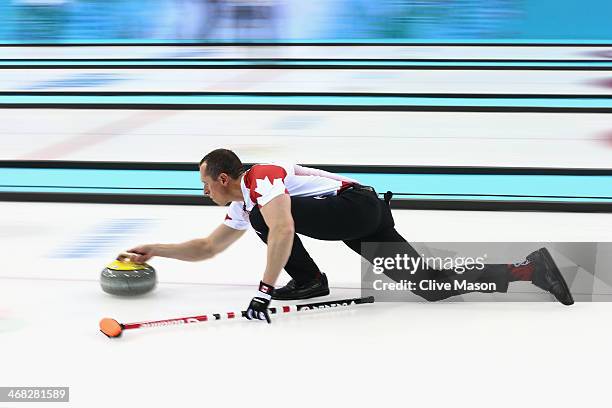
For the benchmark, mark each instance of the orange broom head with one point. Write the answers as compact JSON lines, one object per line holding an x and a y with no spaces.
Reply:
{"x":110,"y":327}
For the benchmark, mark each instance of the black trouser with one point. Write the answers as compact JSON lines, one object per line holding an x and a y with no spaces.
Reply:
{"x":358,"y":215}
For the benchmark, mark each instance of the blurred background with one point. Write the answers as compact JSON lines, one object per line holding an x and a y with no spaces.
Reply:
{"x":283,"y":20}
{"x":490,"y":120}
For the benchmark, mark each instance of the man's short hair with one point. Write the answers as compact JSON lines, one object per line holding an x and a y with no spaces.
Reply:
{"x":222,"y":161}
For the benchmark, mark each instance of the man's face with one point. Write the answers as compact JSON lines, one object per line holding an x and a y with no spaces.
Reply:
{"x":217,"y":189}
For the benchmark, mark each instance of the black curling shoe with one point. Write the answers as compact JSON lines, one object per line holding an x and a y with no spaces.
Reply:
{"x":548,"y":277}
{"x":294,"y":291}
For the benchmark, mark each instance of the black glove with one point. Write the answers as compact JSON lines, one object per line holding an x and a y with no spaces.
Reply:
{"x":258,"y":308}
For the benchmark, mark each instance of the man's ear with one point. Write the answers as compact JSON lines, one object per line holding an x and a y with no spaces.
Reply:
{"x":224,"y":179}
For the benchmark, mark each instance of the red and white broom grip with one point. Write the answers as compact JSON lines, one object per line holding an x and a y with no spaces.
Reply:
{"x":231,"y":315}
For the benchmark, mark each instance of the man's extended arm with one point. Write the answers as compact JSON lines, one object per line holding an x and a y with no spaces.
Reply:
{"x":194,"y":250}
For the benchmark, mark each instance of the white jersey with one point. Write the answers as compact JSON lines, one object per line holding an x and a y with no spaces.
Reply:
{"x":263,"y":182}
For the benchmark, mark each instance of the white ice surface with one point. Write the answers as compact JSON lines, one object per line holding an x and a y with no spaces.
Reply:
{"x":386,"y":354}
{"x":303,"y":80}
{"x":396,"y":138}
{"x":467,"y":354}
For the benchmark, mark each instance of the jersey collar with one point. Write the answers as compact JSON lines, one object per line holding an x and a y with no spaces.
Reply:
{"x":246,"y":194}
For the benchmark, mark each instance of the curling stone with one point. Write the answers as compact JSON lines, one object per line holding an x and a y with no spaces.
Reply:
{"x":124,"y":278}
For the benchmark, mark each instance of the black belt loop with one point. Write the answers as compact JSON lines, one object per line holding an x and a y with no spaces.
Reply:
{"x":387,"y":196}
{"x":357,"y":187}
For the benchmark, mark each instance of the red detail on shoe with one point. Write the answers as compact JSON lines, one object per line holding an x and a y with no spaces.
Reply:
{"x":522,"y":271}
{"x":227,"y":217}
{"x":230,"y":315}
{"x":286,"y":309}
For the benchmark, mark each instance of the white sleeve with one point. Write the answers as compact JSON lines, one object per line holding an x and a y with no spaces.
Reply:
{"x":309,"y":171}
{"x":236,"y":217}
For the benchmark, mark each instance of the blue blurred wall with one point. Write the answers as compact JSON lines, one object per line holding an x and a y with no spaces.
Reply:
{"x":330,"y":20}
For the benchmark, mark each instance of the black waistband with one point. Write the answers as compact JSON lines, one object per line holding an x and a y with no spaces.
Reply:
{"x":359,"y":187}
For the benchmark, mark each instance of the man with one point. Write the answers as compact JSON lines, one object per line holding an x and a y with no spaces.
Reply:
{"x":281,"y":201}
